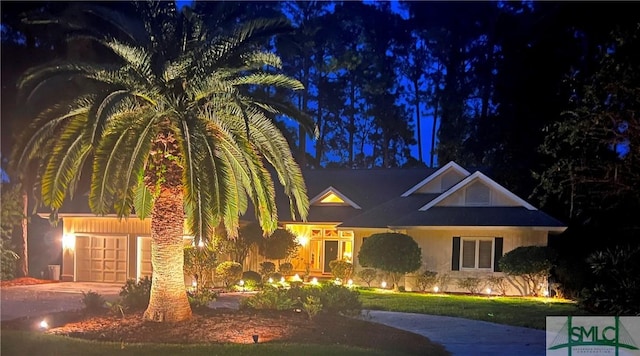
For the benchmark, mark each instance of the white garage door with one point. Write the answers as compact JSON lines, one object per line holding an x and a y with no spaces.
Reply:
{"x":144,"y":257}
{"x":101,"y":258}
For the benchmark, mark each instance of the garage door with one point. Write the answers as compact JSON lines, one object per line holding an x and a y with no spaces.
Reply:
{"x":101,"y":258}
{"x":144,"y":257}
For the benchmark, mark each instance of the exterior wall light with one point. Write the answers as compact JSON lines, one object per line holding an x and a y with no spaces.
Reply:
{"x":68,"y":241}
{"x":303,"y":240}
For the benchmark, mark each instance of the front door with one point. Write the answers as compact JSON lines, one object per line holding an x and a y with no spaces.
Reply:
{"x":330,"y":254}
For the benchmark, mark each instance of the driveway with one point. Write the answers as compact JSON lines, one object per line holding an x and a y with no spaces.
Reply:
{"x":466,"y":337}
{"x":40,"y":299}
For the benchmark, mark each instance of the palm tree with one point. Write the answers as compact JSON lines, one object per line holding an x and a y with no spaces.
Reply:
{"x":178,"y":127}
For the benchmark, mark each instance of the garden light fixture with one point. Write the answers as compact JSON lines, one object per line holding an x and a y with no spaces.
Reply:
{"x":44,"y":325}
{"x":383,"y":284}
{"x":68,"y":241}
{"x":436,"y":289}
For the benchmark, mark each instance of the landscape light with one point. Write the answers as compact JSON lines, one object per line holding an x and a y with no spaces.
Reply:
{"x":44,"y":324}
{"x":436,"y":289}
{"x":314,"y":281}
{"x":545,"y":293}
{"x":201,"y":243}
{"x":281,"y":279}
{"x":350,"y":282}
{"x":241,"y":282}
{"x":270,"y":280}
{"x":488,"y":290}
{"x":383,"y":284}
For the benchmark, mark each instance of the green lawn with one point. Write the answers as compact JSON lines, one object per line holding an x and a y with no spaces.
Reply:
{"x":518,"y":311}
{"x":16,"y":343}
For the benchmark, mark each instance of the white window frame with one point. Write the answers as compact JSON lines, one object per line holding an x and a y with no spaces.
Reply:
{"x":476,"y":241}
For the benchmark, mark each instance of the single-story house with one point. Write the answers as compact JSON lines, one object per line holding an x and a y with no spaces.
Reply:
{"x":463,"y":222}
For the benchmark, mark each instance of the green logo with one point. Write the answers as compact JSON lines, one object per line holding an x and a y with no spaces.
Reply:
{"x":591,"y":333}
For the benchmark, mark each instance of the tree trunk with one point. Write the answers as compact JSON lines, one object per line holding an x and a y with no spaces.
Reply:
{"x":23,"y":262}
{"x":168,"y":301}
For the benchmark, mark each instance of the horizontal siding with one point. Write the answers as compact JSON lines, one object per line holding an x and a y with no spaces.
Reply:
{"x":107,"y":225}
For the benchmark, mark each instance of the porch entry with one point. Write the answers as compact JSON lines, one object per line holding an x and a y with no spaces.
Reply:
{"x":319,"y":246}
{"x":330,"y":254}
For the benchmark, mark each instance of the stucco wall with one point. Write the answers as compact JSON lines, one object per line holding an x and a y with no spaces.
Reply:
{"x":436,"y":245}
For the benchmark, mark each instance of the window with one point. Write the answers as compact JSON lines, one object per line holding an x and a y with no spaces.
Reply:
{"x":477,"y":253}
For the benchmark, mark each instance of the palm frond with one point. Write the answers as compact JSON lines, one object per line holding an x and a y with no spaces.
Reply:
{"x":143,"y":201}
{"x":64,"y":161}
{"x":266,"y":79}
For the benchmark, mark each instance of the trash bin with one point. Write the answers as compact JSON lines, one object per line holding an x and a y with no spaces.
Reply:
{"x":54,"y":272}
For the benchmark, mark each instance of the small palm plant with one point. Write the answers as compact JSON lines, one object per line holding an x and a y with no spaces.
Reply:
{"x":178,"y":125}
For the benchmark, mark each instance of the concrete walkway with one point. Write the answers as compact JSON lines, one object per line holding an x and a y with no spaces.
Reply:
{"x":466,"y":337}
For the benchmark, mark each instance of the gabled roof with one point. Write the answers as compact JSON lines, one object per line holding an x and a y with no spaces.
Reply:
{"x":378,"y":198}
{"x":449,"y":166}
{"x":484,"y":179}
{"x":327,"y":193}
{"x":477,"y":216}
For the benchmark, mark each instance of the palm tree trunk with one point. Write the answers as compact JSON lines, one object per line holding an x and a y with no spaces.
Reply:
{"x":168,"y":301}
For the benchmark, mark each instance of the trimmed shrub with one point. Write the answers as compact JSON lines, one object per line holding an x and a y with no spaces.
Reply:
{"x":499,"y":284}
{"x":230,"y":272}
{"x":426,"y":280}
{"x":471,"y":284}
{"x":341,"y":269}
{"x":267,"y":268}
{"x":276,"y":277}
{"x":286,"y":269}
{"x":251,"y":276}
{"x":396,"y":254}
{"x":200,"y":262}
{"x":531,"y":263}
{"x":269,"y":298}
{"x":367,"y":275}
{"x":337,"y":299}
{"x":201,"y":298}
{"x":443,"y":282}
{"x":92,"y":301}
{"x":135,"y":295}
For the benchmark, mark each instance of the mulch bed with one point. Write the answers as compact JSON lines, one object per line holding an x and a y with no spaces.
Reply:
{"x":25,"y":281}
{"x":233,"y":326}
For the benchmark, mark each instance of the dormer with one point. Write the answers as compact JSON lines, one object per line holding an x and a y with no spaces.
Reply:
{"x":478,"y":190}
{"x":440,"y":181}
{"x":332,"y":197}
